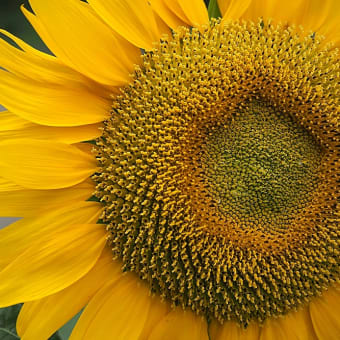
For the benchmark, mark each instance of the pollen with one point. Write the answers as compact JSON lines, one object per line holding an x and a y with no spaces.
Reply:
{"x":219,"y":170}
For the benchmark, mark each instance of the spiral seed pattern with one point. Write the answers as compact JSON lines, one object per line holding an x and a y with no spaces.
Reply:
{"x":219,"y":170}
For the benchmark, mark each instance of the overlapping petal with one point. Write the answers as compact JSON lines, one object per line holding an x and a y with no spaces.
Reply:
{"x":15,"y":127}
{"x":6,"y":185}
{"x":22,"y":202}
{"x":294,"y":326}
{"x":325,"y":314}
{"x":310,"y":14}
{"x":172,"y":19}
{"x":180,"y":325}
{"x":81,"y":40}
{"x":195,"y":11}
{"x":51,"y":104}
{"x":30,"y":63}
{"x":120,"y":308}
{"x":42,"y":164}
{"x":51,"y":263}
{"x":40,"y":319}
{"x":135,"y":21}
{"x":230,"y":330}
{"x":19,"y":236}
{"x":182,"y":12}
{"x":233,"y":9}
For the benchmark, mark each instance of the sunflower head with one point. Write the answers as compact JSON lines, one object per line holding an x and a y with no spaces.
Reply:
{"x":211,"y":177}
{"x":215,"y":163}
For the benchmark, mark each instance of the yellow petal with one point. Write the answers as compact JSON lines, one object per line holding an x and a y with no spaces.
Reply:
{"x":38,"y":164}
{"x":85,"y":147}
{"x":313,"y":14}
{"x":322,"y":17}
{"x":118,"y":311}
{"x":82,"y":41}
{"x":157,"y":311}
{"x":293,"y":326}
{"x":230,"y":330}
{"x":275,"y":9}
{"x":133,"y":20}
{"x":171,"y":19}
{"x":175,"y":7}
{"x":14,"y":127}
{"x":21,"y":202}
{"x":330,"y":27}
{"x":325,"y":314}
{"x":180,"y":325}
{"x":18,"y":237}
{"x":30,"y":63}
{"x":6,"y":185}
{"x":41,"y":318}
{"x":51,"y":104}
{"x":52,"y":263}
{"x":233,"y":9}
{"x":195,"y":11}
{"x":68,"y":135}
{"x":10,"y":121}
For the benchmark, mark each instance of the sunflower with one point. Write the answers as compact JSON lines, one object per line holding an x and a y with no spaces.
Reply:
{"x":176,"y":170}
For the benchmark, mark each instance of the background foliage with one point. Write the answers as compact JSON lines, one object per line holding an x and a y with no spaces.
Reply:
{"x":13,"y":21}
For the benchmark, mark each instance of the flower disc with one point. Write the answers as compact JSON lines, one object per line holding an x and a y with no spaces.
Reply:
{"x":219,"y":170}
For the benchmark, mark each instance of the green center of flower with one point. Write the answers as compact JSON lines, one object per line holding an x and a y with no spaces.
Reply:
{"x":219,"y":170}
{"x":261,"y":166}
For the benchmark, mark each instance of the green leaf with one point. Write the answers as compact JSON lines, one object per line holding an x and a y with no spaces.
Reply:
{"x":66,"y":330}
{"x":8,"y":317}
{"x":214,"y":10}
{"x":93,"y":199}
{"x":55,"y":336}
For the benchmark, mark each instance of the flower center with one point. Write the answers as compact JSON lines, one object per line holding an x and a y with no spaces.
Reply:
{"x":260,"y":167}
{"x":219,"y":170}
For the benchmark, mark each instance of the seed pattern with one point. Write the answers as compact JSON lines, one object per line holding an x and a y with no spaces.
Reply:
{"x":163,"y":206}
{"x":260,"y":167}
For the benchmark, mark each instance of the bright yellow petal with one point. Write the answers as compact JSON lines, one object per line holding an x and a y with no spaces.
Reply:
{"x":42,"y":164}
{"x":6,"y":185}
{"x":118,"y":311}
{"x":322,"y":17}
{"x":274,"y":9}
{"x":40,"y":319}
{"x":233,"y":9}
{"x":230,"y":330}
{"x":51,"y":104}
{"x":312,"y":13}
{"x":293,"y":326}
{"x":180,"y":325}
{"x":133,"y":20}
{"x":195,"y":11}
{"x":68,"y":135}
{"x":52,"y":263}
{"x":15,"y":127}
{"x":81,"y":40}
{"x":10,"y":121}
{"x":157,"y":311}
{"x":330,"y":27}
{"x":325,"y":314}
{"x":85,"y":147}
{"x":171,"y":19}
{"x":175,"y":7}
{"x":18,"y":237}
{"x":30,"y":63}
{"x":23,"y":202}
